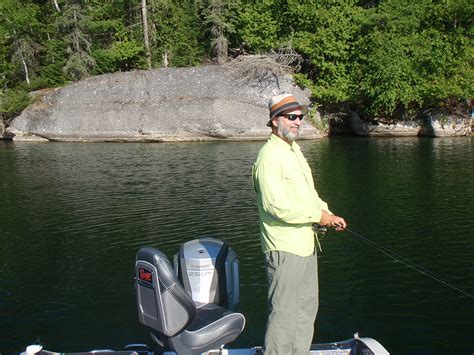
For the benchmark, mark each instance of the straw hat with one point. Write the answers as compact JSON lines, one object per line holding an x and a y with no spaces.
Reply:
{"x":284,"y":102}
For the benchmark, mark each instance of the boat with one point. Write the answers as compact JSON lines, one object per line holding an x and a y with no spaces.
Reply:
{"x":189,"y":307}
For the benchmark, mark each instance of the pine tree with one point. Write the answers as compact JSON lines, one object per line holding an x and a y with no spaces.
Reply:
{"x":71,"y":24}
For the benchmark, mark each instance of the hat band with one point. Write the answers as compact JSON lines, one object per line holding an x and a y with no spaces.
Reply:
{"x":287,"y":106}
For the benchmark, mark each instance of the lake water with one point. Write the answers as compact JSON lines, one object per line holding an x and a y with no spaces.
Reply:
{"x":72,"y":217}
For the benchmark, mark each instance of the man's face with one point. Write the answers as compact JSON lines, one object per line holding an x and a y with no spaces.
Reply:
{"x":287,"y":129}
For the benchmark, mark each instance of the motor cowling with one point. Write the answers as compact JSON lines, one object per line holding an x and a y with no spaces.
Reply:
{"x":208,"y":269}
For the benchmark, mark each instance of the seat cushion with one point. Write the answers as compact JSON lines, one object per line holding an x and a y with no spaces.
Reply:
{"x":213,"y":326}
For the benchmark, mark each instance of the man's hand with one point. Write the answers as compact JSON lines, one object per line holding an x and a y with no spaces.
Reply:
{"x":331,"y":220}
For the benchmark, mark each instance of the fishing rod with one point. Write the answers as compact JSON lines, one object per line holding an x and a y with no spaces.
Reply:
{"x":412,"y":265}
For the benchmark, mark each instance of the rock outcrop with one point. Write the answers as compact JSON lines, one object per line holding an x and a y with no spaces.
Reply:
{"x":439,"y":125}
{"x":432,"y":125}
{"x":169,"y":104}
{"x":399,"y":129}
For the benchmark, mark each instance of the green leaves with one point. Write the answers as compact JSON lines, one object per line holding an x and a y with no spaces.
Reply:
{"x":122,"y":55}
{"x":258,"y":28}
{"x":377,"y":57}
{"x":13,"y":102}
{"x":177,"y":33}
{"x":404,"y":62}
{"x":325,"y":39}
{"x":21,"y":30}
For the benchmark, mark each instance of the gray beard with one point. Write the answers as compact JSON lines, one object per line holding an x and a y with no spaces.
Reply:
{"x":286,"y":133}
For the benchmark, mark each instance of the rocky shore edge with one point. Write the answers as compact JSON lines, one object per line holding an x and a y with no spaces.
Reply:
{"x":191,"y":104}
{"x":432,"y":125}
{"x":435,"y":126}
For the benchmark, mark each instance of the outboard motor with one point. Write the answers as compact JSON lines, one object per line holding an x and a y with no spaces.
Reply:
{"x":208,"y":269}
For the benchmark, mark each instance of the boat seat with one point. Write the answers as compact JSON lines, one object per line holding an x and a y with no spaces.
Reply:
{"x":174,"y":320}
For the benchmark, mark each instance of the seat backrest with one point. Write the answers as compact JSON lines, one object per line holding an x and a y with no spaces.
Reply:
{"x":163,"y":304}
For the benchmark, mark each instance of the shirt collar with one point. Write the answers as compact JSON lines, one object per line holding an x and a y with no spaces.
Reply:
{"x":282,"y":144}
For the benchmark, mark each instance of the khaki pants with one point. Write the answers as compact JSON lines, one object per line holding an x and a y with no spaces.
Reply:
{"x":292,"y":301}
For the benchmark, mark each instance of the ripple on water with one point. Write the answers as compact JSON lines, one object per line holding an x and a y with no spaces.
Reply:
{"x":78,"y":213}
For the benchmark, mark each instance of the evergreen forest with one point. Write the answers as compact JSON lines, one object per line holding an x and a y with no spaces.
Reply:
{"x":386,"y":59}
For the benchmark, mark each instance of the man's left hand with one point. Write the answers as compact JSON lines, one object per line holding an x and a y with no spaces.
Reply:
{"x":338,"y":223}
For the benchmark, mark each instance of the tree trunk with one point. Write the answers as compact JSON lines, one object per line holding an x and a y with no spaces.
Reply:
{"x":145,"y":34}
{"x":25,"y":67}
{"x":221,"y":48}
{"x":56,"y":5}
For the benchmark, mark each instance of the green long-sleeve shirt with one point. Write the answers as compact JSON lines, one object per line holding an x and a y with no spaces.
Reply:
{"x":288,"y":203}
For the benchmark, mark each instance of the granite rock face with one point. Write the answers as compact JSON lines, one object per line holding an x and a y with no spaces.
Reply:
{"x":401,"y":129}
{"x":439,"y":125}
{"x":168,"y":104}
{"x":433,"y":125}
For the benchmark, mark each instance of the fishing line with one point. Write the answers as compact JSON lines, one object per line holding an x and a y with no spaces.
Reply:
{"x":408,"y":263}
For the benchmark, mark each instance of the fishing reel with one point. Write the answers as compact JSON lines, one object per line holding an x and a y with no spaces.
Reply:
{"x":320,"y":230}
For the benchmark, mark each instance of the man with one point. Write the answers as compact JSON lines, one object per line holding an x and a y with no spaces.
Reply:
{"x":288,"y":207}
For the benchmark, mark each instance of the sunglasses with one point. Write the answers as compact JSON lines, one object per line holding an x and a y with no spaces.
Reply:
{"x":293,"y":116}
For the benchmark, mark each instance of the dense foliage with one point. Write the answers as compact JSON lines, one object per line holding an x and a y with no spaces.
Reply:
{"x":381,"y":57}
